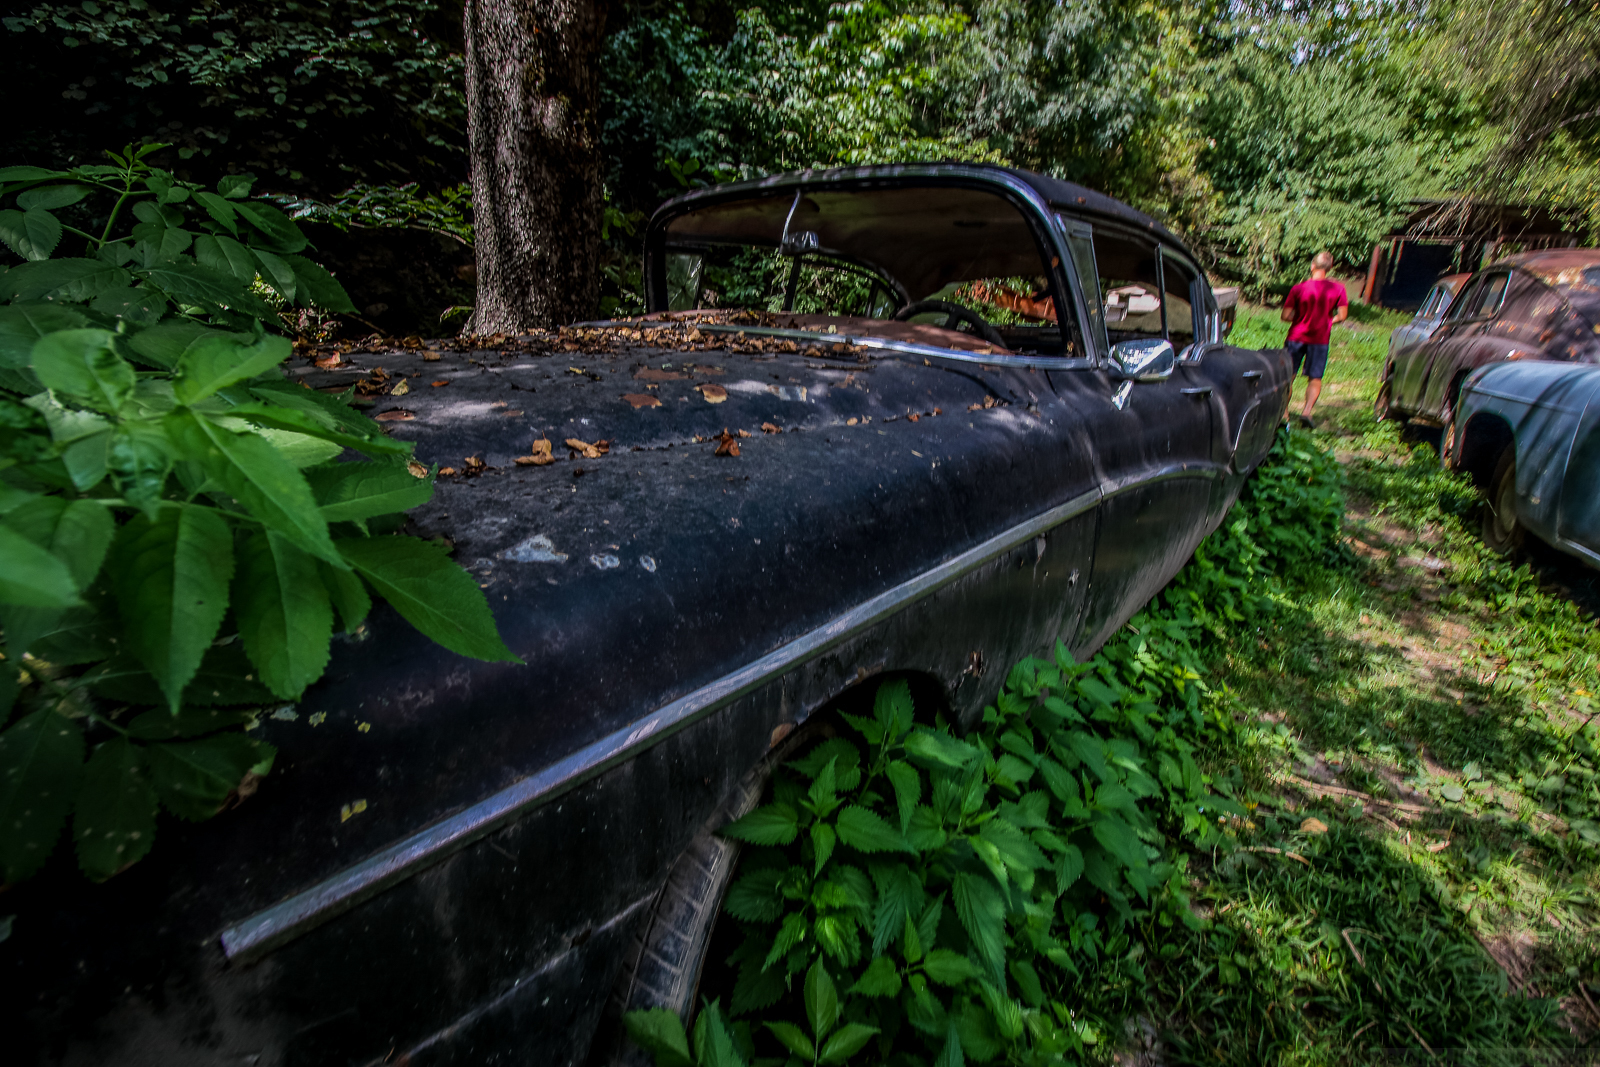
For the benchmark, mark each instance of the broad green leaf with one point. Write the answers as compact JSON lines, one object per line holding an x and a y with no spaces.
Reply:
{"x":892,"y":707}
{"x":1013,"y":845}
{"x":794,"y":1039}
{"x":337,"y":412}
{"x":1068,"y":868}
{"x":282,"y":609}
{"x":846,"y":1042}
{"x":880,"y":979}
{"x":77,"y":533}
{"x":194,"y":284}
{"x":273,"y":224}
{"x":277,"y":273}
{"x":949,"y":968}
{"x":138,"y":460}
{"x":218,"y":360}
{"x":50,"y":197}
{"x":140,"y":307}
{"x":31,"y":234}
{"x":791,"y":933}
{"x":194,"y":778}
{"x":226,"y":256}
{"x":32,"y":577}
{"x":302,"y":450}
{"x":85,"y":460}
{"x":260,"y":478}
{"x":1118,"y":838}
{"x":318,"y":288}
{"x":61,"y":636}
{"x":713,"y":1042}
{"x":165,"y":345}
{"x":866,"y":831}
{"x":363,"y":490}
{"x":170,"y":575}
{"x":61,"y":279}
{"x":660,"y":1033}
{"x":823,"y":839}
{"x":1014,"y":770}
{"x":756,"y":896}
{"x":1005,"y":1012}
{"x":771,"y":824}
{"x":939,"y":749}
{"x":159,"y":246}
{"x":82,"y":365}
{"x":432,"y":593}
{"x":907,"y":790}
{"x":1028,"y":983}
{"x":220,"y":210}
{"x":983,"y":915}
{"x":951,"y":1054}
{"x":115,"y":820}
{"x":30,"y":174}
{"x":235,"y":186}
{"x":1060,"y":781}
{"x":41,"y":757}
{"x":822,"y":1001}
{"x":911,"y":942}
{"x":899,"y":895}
{"x":348,"y":593}
{"x":21,"y":325}
{"x":226,"y":677}
{"x":314,"y":424}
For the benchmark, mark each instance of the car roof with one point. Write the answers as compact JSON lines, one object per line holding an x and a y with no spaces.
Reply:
{"x":1572,"y":272}
{"x":1452,"y":282}
{"x":1069,"y":196}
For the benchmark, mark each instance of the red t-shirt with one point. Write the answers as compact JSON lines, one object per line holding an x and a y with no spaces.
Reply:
{"x":1313,"y":303}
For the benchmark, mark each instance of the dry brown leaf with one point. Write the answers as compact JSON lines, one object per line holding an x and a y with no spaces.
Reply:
{"x":744,"y":433}
{"x":441,"y":381}
{"x":588,"y":451}
{"x":1313,"y":826}
{"x":430,"y":356}
{"x":395,"y":415}
{"x":475,"y":465}
{"x":642,"y":400}
{"x":400,"y":388}
{"x":328,"y":362}
{"x":851,"y":422}
{"x":767,"y":427}
{"x":417,"y":469}
{"x":714,"y":394}
{"x":412,"y":342}
{"x":538,"y":455}
{"x":701,"y":368}
{"x":727,"y":443}
{"x":448,"y":470}
{"x":913,"y":417}
{"x":512,"y":414}
{"x":655,"y":374}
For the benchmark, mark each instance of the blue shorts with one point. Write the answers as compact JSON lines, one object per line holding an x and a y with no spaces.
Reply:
{"x":1315,"y":357}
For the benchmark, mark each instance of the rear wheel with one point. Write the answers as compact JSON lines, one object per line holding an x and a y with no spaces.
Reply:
{"x":1382,"y":409}
{"x":1450,"y":437}
{"x":1501,"y":530}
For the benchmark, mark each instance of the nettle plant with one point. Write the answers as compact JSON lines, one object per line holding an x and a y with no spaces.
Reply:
{"x":177,"y":526}
{"x":931,"y":899}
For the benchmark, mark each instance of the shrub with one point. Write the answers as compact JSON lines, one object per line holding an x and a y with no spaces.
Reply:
{"x":174,"y":532}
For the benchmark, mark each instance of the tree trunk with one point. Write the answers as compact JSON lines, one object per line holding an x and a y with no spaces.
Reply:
{"x":534,"y":138}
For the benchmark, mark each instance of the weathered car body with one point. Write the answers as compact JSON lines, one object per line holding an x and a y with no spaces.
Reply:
{"x":1531,"y":438}
{"x":1430,"y":313}
{"x":1536,"y":305}
{"x":748,"y":519}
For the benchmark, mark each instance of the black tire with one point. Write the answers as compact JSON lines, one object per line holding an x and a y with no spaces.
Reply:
{"x":669,"y":948}
{"x":1501,"y":530}
{"x":1449,"y":437}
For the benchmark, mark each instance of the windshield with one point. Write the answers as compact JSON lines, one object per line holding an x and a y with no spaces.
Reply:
{"x":951,"y":267}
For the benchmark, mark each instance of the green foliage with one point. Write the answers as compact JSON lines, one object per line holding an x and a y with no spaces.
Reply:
{"x":314,"y":94}
{"x":175,"y":532}
{"x":448,"y":211}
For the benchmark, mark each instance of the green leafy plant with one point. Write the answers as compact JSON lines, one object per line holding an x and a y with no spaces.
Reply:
{"x":176,"y":535}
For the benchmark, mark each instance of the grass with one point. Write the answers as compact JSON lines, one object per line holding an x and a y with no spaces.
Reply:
{"x":1432,"y":706}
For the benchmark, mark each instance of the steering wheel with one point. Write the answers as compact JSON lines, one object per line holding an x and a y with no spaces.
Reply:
{"x":954,"y":313}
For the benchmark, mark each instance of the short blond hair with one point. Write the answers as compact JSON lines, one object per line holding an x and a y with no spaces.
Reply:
{"x":1322,"y":261}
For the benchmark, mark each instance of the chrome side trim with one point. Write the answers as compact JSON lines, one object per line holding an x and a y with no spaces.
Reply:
{"x":910,"y":348}
{"x":1215,"y":471}
{"x":273,"y":927}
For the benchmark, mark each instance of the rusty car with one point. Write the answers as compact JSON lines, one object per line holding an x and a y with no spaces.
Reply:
{"x":1533,"y":305}
{"x":818,"y":458}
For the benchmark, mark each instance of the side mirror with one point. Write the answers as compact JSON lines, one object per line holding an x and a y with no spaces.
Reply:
{"x":1145,"y":360}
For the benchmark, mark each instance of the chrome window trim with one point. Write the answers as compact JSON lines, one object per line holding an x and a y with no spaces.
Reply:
{"x":910,"y":348}
{"x":260,"y":933}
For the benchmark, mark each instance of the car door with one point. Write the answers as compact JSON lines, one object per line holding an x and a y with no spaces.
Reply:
{"x":1578,"y":512}
{"x":1469,"y":343}
{"x":1411,"y":364}
{"x":1153,"y":438}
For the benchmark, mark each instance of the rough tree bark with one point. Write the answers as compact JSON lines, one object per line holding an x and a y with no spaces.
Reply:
{"x":534,"y":140}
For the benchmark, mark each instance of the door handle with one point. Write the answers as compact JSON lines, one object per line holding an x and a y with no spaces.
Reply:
{"x":1198,"y":390}
{"x":1251,"y":375}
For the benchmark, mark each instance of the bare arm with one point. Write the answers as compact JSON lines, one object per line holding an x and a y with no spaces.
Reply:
{"x":1288,"y":311}
{"x":1339,"y":315}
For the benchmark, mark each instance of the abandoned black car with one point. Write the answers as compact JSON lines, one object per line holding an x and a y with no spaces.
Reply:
{"x":913,"y":420}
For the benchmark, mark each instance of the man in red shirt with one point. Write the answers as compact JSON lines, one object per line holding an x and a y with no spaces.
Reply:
{"x":1313,"y":307}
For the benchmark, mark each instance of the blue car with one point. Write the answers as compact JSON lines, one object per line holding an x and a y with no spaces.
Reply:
{"x":1531,"y":440}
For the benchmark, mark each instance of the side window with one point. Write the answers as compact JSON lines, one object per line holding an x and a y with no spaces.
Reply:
{"x":1465,"y":299}
{"x":1080,"y":244}
{"x":1431,"y":304}
{"x":1530,"y":302}
{"x":1179,"y":282}
{"x":1482,"y":298}
{"x":1130,"y":287}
